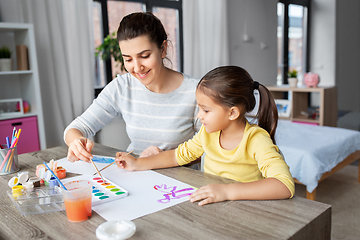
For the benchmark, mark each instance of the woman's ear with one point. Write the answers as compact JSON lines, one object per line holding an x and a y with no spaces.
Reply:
{"x":163,"y":49}
{"x":234,"y":113}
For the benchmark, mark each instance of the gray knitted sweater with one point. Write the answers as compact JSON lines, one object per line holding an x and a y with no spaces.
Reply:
{"x":162,"y":120}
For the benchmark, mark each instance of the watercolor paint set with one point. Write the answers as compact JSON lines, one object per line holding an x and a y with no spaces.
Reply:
{"x":102,"y":191}
{"x":46,"y":199}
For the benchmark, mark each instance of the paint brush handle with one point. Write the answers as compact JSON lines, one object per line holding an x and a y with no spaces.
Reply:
{"x":96,"y":169}
{"x":57,"y":179}
{"x":105,"y":167}
{"x":111,"y":164}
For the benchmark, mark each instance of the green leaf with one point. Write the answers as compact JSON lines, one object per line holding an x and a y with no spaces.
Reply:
{"x":110,"y":48}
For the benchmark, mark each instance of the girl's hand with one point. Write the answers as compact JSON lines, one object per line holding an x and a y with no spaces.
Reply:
{"x":125,"y":161}
{"x":80,"y":149}
{"x":152,"y":150}
{"x":209,"y":194}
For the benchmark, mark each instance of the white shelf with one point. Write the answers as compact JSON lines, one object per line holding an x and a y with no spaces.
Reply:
{"x":22,"y":84}
{"x":16,"y":72}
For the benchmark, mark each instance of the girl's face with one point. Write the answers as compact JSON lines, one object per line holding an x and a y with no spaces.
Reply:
{"x":213,"y":116}
{"x":143,"y":59}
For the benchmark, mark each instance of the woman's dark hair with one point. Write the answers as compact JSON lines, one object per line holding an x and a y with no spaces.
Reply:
{"x":140,"y":24}
{"x":233,"y":86}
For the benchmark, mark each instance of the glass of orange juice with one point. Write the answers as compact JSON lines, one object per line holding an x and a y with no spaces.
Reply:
{"x":77,"y":199}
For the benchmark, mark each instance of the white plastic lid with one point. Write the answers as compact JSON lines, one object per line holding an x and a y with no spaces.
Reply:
{"x":28,"y":186}
{"x":23,"y":177}
{"x":13,"y":182}
{"x":116,"y":230}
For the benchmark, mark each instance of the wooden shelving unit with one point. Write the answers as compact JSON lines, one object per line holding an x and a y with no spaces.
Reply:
{"x":300,"y":102}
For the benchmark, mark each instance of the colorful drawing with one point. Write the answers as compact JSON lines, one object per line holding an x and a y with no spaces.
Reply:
{"x":172,"y":193}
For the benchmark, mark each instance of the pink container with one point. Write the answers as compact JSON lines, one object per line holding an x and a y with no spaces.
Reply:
{"x":29,"y":137}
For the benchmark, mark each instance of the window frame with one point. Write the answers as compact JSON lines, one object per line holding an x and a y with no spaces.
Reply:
{"x":149,"y":5}
{"x":285,"y":33}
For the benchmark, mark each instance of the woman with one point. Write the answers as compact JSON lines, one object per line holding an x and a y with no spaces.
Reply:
{"x":157,"y":103}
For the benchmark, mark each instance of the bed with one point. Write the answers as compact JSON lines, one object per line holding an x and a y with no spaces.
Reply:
{"x":313,"y":153}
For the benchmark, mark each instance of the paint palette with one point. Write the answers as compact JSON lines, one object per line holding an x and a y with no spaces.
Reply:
{"x":40,"y":200}
{"x":103,"y":192}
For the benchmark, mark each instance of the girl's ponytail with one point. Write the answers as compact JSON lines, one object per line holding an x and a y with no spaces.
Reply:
{"x":267,"y":114}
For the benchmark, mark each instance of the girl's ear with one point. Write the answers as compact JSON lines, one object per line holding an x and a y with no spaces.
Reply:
{"x":234,"y":113}
{"x":163,"y":49}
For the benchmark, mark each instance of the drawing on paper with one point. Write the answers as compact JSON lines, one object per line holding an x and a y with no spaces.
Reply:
{"x":103,"y":159}
{"x":172,"y":192}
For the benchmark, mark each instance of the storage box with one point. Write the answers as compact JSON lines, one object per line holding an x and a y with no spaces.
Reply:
{"x":29,"y":138}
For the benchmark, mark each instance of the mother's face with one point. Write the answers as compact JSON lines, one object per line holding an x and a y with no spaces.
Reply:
{"x":143,"y":59}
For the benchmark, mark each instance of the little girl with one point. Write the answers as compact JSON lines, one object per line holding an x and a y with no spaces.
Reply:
{"x":234,"y":148}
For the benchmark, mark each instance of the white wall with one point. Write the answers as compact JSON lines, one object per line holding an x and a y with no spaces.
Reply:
{"x":260,"y":18}
{"x":322,"y":40}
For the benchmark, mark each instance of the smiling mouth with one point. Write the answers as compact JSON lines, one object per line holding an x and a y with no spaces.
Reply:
{"x":142,"y":75}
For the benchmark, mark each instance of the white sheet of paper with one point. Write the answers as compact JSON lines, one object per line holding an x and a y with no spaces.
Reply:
{"x":149,"y":191}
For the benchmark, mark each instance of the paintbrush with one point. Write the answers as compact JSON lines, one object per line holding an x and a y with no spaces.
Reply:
{"x":111,"y":163}
{"x":92,"y":162}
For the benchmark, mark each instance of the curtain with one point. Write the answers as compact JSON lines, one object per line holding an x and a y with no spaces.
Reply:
{"x":205,"y":36}
{"x":65,"y":54}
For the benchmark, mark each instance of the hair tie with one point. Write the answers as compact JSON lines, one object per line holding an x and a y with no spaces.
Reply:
{"x":256,"y":85}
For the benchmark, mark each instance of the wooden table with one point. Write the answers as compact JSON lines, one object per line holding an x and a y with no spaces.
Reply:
{"x":297,"y":218}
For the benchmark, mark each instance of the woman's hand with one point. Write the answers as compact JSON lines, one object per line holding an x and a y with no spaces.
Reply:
{"x":152,"y":150}
{"x":209,"y":194}
{"x":125,"y":161}
{"x":80,"y":149}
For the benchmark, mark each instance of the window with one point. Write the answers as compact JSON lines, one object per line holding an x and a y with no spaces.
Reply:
{"x":107,"y":15}
{"x":293,"y":38}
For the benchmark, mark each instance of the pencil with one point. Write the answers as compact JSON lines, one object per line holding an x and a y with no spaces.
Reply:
{"x":111,"y":163}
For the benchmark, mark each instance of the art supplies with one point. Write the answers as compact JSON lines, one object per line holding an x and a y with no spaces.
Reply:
{"x":9,"y":160}
{"x":37,"y":200}
{"x":117,"y":229}
{"x":102,"y":190}
{"x":110,"y":163}
{"x":57,"y":179}
{"x":92,"y":161}
{"x":10,"y":157}
{"x":97,"y":169}
{"x":77,"y":199}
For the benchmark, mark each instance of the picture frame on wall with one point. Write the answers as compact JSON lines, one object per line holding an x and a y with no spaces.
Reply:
{"x":284,"y":107}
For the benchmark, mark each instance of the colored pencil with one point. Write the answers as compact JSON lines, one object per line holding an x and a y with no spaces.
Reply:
{"x":13,"y":135}
{"x":111,"y":163}
{"x":8,"y":142}
{"x":8,"y":153}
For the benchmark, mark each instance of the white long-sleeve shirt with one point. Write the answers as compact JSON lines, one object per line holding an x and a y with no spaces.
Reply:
{"x":163,"y":120}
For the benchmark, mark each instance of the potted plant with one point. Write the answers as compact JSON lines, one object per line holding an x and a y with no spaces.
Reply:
{"x":5,"y":59}
{"x":292,"y":78}
{"x":110,"y":48}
